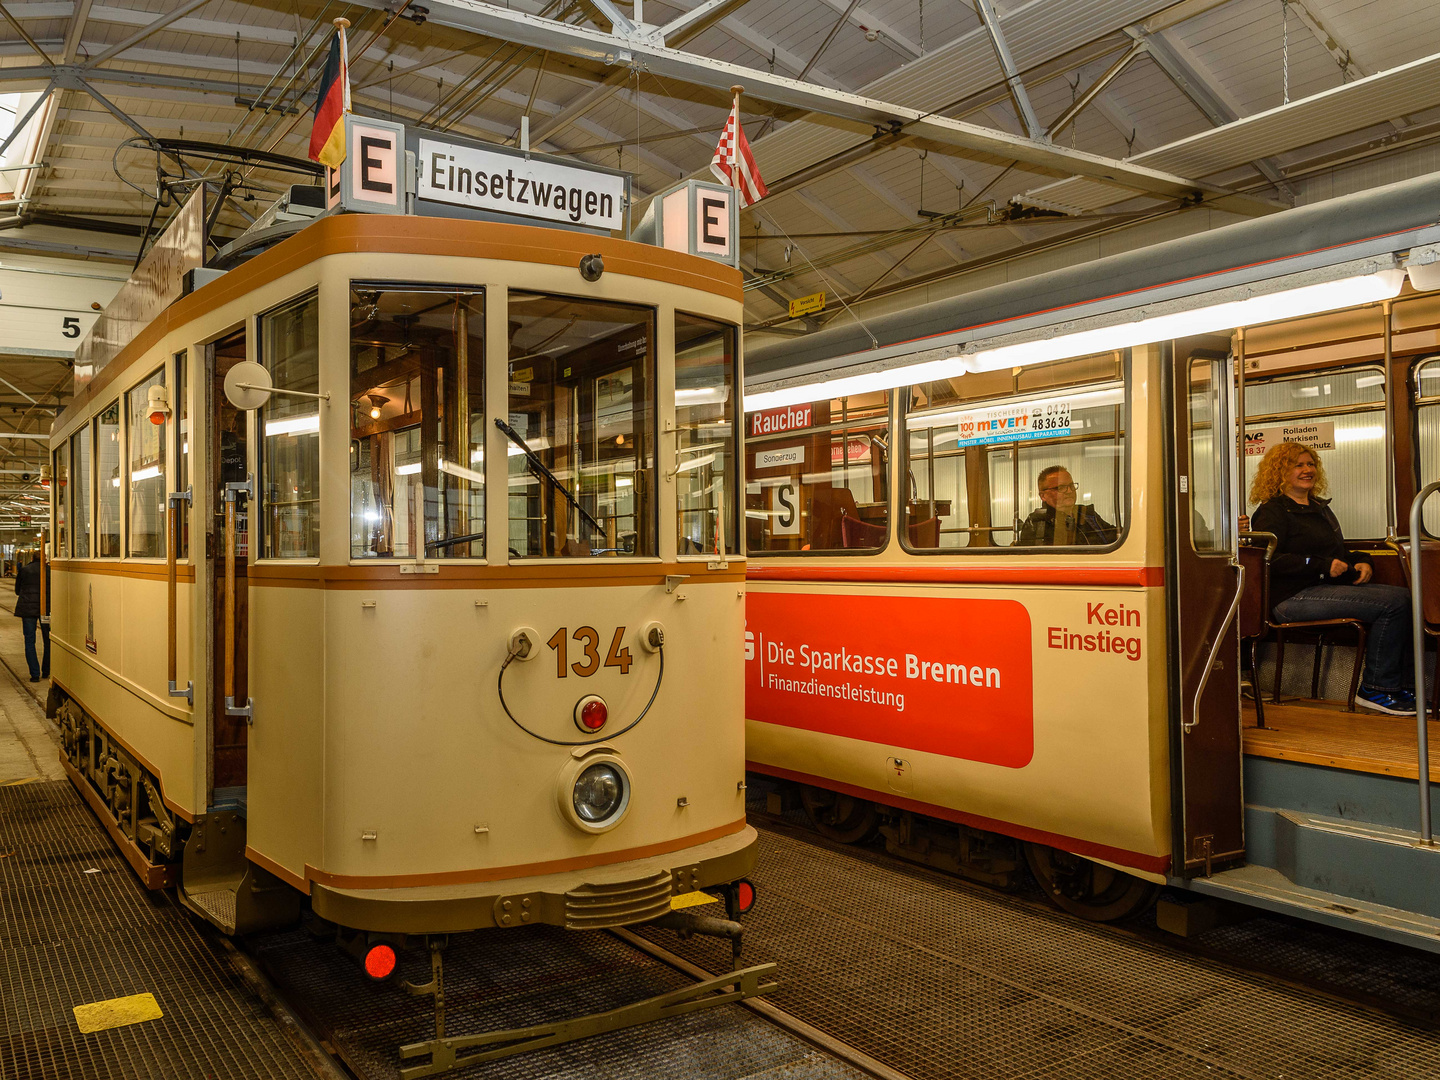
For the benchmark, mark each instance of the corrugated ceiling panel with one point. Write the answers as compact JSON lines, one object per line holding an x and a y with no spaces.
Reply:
{"x":1322,"y":116}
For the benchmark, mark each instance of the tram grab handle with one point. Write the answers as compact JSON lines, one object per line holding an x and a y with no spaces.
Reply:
{"x":1417,"y":627}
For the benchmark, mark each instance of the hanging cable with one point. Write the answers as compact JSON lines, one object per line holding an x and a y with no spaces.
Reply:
{"x":500,"y":686}
{"x":1285,"y":48}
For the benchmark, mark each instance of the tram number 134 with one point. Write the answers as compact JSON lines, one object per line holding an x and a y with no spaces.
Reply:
{"x":589,"y":640}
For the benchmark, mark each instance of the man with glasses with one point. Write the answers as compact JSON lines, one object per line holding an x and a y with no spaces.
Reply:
{"x":1060,"y":522}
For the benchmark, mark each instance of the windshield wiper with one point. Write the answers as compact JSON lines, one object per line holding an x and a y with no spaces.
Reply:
{"x":543,"y":471}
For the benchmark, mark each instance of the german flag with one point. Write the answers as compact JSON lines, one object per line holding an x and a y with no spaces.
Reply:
{"x":327,"y":137}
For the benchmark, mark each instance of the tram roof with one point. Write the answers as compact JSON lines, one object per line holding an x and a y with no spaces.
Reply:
{"x":1376,"y":222}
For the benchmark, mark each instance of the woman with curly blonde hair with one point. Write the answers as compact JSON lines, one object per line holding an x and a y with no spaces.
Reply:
{"x":1314,"y":576}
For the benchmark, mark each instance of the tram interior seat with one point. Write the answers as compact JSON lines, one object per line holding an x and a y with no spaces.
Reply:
{"x":1319,"y":630}
{"x":1430,"y":598}
{"x":855,"y":533}
{"x":830,"y":508}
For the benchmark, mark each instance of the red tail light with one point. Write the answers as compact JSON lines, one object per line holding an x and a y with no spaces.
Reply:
{"x":380,"y":961}
{"x":591,"y":713}
{"x":744,"y":896}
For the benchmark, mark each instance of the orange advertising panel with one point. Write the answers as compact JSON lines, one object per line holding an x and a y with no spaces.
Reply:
{"x":940,"y":676}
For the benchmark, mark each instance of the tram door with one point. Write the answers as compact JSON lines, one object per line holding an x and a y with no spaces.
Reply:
{"x":1204,"y":580}
{"x":226,"y":430}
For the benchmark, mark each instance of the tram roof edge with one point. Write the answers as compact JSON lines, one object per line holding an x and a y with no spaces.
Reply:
{"x":1386,"y":219}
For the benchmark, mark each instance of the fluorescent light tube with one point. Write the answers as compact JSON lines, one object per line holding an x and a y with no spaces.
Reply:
{"x":1253,"y":311}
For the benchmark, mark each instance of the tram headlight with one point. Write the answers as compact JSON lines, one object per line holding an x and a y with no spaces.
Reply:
{"x":599,"y":792}
{"x":595,"y":792}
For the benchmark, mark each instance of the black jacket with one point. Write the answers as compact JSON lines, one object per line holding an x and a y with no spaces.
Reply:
{"x":1090,"y":527}
{"x":1309,"y":539}
{"x":27,"y":589}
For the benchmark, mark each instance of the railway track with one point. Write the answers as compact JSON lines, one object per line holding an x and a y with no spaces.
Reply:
{"x":333,"y":1042}
{"x":1383,"y":978}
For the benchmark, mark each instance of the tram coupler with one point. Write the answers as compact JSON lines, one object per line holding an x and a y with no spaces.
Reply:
{"x":687,"y":925}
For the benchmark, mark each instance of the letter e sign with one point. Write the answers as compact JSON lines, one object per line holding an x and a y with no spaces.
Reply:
{"x":373,"y":159}
{"x":712,"y":221}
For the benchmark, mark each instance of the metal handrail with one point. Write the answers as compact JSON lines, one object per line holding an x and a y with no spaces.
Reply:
{"x":1186,"y":728}
{"x":1417,"y":626}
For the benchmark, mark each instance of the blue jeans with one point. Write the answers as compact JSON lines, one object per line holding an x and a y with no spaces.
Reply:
{"x":37,"y":669}
{"x":1389,"y":649}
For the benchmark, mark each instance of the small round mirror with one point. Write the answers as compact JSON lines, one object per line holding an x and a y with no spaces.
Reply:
{"x":247,"y":385}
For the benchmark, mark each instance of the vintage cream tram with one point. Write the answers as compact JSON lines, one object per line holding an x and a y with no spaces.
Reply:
{"x":439,"y":593}
{"x":929,"y":653}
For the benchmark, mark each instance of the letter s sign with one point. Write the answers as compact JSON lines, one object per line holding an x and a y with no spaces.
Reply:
{"x":787,"y":510}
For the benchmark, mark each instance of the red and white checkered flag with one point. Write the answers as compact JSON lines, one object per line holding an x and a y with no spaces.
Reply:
{"x":752,"y":188}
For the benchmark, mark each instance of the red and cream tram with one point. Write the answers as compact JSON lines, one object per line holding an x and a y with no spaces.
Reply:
{"x":995,"y":597}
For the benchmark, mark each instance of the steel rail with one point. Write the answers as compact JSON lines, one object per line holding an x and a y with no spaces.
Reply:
{"x":817,"y":1038}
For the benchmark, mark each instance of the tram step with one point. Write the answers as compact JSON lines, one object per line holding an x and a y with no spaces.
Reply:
{"x":1264,"y":887}
{"x":1379,"y":864}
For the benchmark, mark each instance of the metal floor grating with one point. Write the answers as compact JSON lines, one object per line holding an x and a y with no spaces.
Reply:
{"x":943,"y":979}
{"x":532,"y":975}
{"x":70,"y":937}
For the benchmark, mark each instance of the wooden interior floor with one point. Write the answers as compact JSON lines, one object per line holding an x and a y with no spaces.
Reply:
{"x":1323,"y":733}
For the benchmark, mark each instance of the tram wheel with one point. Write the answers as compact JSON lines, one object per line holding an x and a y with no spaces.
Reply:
{"x":842,"y":818}
{"x":1088,"y":889}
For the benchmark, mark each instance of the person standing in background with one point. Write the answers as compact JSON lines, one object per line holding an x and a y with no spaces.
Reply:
{"x":27,"y":610}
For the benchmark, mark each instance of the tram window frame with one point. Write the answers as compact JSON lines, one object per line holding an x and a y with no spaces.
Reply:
{"x":60,"y":466}
{"x":180,"y":417}
{"x":883,"y":417}
{"x":101,"y":491}
{"x":470,"y":486}
{"x":1422,"y":403}
{"x":1021,"y":394}
{"x":295,"y":410}
{"x":136,"y":415}
{"x":1365,"y":370}
{"x":729,"y":336}
{"x":646,"y":423}
{"x":79,"y":493}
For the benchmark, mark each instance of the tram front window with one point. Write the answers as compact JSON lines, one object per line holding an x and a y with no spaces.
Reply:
{"x":417,"y":401}
{"x":1033,"y":457}
{"x":580,"y":429}
{"x":815,"y":478}
{"x":705,"y":435}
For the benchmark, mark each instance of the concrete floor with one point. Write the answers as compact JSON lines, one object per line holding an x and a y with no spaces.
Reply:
{"x":28,"y":746}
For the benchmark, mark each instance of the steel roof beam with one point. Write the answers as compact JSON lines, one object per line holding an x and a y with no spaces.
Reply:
{"x":1198,"y":89}
{"x":1007,"y":66}
{"x":697,"y":20}
{"x":78,"y":19}
{"x":145,"y":31}
{"x":862,"y":112}
{"x":24,"y":34}
{"x":1095,"y":88}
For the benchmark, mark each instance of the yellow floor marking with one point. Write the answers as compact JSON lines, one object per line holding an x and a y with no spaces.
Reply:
{"x":691,"y":899}
{"x":17,"y":783}
{"x":117,"y":1012}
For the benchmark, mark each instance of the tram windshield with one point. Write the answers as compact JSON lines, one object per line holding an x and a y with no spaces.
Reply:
{"x":1028,"y":457}
{"x":417,"y":364}
{"x":705,"y":435}
{"x":816,"y":476}
{"x":580,"y":428}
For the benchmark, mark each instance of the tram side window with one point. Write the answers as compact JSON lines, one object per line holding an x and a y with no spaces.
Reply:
{"x":1210,"y":461}
{"x":815,"y":476}
{"x":581,"y":428}
{"x":290,"y":447}
{"x":1340,"y":412}
{"x":705,"y":435}
{"x":107,"y":482}
{"x":80,"y":486}
{"x":147,"y":472}
{"x":417,"y":419}
{"x":60,"y":483}
{"x":1025,"y":458}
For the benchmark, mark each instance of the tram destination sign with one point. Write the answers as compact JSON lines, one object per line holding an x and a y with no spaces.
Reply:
{"x":513,"y":184}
